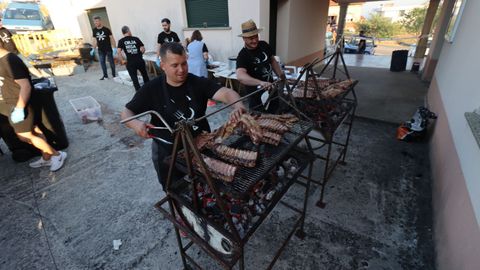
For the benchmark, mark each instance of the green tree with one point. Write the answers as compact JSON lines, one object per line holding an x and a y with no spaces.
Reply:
{"x":412,"y":21}
{"x":377,"y":26}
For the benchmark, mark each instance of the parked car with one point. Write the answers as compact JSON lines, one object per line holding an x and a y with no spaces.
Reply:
{"x":351,"y":44}
{"x":26,"y":16}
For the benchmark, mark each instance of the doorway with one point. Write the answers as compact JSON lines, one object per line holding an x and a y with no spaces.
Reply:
{"x":102,"y":13}
{"x":273,"y":25}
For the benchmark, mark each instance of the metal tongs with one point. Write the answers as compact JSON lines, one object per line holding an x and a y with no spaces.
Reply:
{"x":150,"y":126}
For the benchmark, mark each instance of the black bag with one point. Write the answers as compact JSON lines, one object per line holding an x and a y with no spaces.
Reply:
{"x":47,"y":117}
{"x":21,"y":151}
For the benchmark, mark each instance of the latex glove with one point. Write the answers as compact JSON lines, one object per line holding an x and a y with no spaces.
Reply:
{"x":92,"y":52}
{"x":114,"y":51}
{"x":18,"y":115}
{"x":157,"y":62}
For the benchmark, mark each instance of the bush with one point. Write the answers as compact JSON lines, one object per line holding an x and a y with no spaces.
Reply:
{"x":378,"y":26}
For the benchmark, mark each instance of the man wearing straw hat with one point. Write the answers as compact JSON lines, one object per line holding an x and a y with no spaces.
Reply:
{"x":256,"y":64}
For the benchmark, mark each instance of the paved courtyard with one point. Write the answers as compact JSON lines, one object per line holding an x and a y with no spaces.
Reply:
{"x":378,"y":213}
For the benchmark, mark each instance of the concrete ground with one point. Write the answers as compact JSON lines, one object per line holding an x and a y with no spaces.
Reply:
{"x":382,"y":94}
{"x":378,"y":213}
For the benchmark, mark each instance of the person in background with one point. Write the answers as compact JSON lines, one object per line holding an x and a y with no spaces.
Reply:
{"x":15,"y":91}
{"x":176,"y":95}
{"x":362,"y":44}
{"x":134,"y":49}
{"x":197,"y":55}
{"x":256,"y":64}
{"x":166,"y":35}
{"x":103,"y":40}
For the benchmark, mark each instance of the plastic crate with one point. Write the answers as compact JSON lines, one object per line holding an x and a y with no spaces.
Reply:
{"x":87,"y":109}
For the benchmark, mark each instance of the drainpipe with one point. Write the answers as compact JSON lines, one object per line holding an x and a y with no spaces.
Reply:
{"x":438,"y":40}
{"x":427,"y":26}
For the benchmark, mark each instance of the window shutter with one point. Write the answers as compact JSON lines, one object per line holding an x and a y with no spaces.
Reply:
{"x":207,"y":13}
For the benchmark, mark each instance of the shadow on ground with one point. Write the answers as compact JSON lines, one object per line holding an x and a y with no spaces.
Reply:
{"x":378,"y":213}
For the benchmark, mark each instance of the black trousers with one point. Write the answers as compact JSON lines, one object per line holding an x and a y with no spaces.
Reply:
{"x":160,"y":152}
{"x":255,"y":101}
{"x":132,"y":67}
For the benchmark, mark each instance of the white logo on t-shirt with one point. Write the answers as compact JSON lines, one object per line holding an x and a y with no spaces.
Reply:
{"x":5,"y":38}
{"x":1,"y":84}
{"x":101,"y":36}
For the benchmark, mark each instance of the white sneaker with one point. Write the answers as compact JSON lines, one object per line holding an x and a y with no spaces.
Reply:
{"x":57,"y":161}
{"x":40,"y":163}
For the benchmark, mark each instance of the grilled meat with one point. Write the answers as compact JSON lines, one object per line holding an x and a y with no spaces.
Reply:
{"x":271,"y":138}
{"x":235,"y":156}
{"x":218,"y":169}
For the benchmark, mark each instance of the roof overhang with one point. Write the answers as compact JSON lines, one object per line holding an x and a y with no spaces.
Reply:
{"x":355,"y":1}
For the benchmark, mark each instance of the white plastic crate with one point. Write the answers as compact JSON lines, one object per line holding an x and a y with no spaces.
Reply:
{"x":87,"y":108}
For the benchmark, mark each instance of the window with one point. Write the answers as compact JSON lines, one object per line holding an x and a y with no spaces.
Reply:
{"x":207,"y":13}
{"x":22,"y":14}
{"x":454,"y":20}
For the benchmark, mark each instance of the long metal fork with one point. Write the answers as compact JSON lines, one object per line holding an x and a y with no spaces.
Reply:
{"x":179,"y":115}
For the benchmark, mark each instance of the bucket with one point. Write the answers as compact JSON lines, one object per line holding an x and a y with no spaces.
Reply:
{"x":232,"y":62}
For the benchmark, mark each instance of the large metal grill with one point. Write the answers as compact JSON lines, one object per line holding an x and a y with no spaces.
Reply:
{"x":269,"y":157}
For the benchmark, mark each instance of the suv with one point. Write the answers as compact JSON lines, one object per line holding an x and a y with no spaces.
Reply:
{"x":351,"y":44}
{"x":26,"y":16}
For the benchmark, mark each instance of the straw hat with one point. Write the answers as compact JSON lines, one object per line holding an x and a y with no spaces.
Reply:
{"x":249,"y":28}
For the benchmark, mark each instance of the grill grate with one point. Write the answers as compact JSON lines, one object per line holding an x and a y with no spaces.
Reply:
{"x":269,"y":157}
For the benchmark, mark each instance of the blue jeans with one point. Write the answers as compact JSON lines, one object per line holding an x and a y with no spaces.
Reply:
{"x":109,"y":55}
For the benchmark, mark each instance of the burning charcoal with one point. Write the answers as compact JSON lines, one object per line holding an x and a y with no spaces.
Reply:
{"x":280,"y":171}
{"x":270,"y":195}
{"x":236,"y":209}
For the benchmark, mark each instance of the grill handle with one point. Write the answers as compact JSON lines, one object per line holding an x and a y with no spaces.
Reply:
{"x":231,"y":104}
{"x":145,"y":113}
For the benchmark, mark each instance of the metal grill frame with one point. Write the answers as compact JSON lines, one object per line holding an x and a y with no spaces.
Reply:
{"x":329,"y":137}
{"x":174,"y":200}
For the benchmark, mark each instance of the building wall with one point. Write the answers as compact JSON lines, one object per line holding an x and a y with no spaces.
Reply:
{"x":301,"y":28}
{"x":144,"y":19}
{"x":354,"y":14}
{"x":302,"y":20}
{"x":455,"y":155}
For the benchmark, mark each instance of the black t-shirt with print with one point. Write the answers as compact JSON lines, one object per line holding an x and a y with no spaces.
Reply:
{"x":12,"y":68}
{"x":6,"y":37}
{"x":257,"y":62}
{"x":188,"y":100}
{"x":103,"y":38}
{"x":131,"y":46}
{"x":170,"y":37}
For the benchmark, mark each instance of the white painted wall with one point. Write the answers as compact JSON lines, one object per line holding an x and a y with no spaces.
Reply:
{"x":142,"y":16}
{"x":301,"y":26}
{"x":144,"y":19}
{"x":304,"y":22}
{"x":457,"y":76}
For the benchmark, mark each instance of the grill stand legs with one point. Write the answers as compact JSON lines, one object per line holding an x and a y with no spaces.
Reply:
{"x":189,"y":263}
{"x":331,"y":164}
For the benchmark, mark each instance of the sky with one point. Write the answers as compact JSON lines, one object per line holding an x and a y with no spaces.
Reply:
{"x":367,"y":7}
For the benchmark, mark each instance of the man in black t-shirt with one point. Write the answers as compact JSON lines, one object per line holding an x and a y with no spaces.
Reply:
{"x":15,"y":92}
{"x":256,"y":64}
{"x":176,"y":95}
{"x":103,"y":40}
{"x":6,"y":38}
{"x":166,"y":35}
{"x":133,"y":48}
